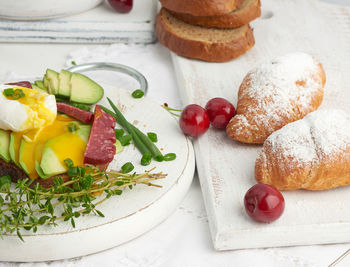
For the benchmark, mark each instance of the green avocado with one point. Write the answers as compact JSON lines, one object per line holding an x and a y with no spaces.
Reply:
{"x":50,"y":163}
{"x":53,"y":82}
{"x":40,"y":172}
{"x":37,"y":88}
{"x":23,"y":147}
{"x":84,"y":90}
{"x":40,"y":84}
{"x":46,"y":82}
{"x":15,"y":142}
{"x":64,"y":83}
{"x":5,"y":145}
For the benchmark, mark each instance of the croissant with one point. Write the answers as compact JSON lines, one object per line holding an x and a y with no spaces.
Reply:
{"x":312,"y":153}
{"x":274,"y":94}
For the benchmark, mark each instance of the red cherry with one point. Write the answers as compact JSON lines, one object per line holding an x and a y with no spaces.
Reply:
{"x":122,"y":6}
{"x":264,"y":203}
{"x":220,"y":112}
{"x":194,"y":120}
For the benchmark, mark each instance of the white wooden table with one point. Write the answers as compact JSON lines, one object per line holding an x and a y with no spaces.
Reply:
{"x":184,"y":238}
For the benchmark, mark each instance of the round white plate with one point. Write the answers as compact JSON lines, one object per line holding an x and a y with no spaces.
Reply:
{"x":43,"y":9}
{"x":127,"y":216}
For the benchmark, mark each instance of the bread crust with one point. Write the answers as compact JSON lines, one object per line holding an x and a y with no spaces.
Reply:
{"x":212,"y":52}
{"x":282,"y":169}
{"x":16,"y":173}
{"x":202,"y":7}
{"x":7,"y":168}
{"x":253,"y":125}
{"x":234,"y":19}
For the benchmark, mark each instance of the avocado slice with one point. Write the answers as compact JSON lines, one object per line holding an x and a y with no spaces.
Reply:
{"x":52,"y":77}
{"x":5,"y":145}
{"x":40,"y":172}
{"x":15,"y":142}
{"x":69,"y":145}
{"x":46,"y":82}
{"x":26,"y":158}
{"x":64,"y":83}
{"x":37,"y":88}
{"x":118,"y":147}
{"x":84,"y":90}
{"x":40,"y":84}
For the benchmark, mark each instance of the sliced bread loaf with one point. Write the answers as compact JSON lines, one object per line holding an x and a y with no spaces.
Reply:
{"x":202,"y":7}
{"x":249,"y":11}
{"x":209,"y":44}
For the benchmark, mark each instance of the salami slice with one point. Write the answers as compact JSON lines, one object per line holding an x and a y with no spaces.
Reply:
{"x":76,"y":113}
{"x":24,"y":84}
{"x":100,"y":148}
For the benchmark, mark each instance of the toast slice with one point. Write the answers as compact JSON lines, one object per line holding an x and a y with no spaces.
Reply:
{"x":249,"y":11}
{"x":16,"y":173}
{"x":202,"y":7}
{"x":208,"y":44}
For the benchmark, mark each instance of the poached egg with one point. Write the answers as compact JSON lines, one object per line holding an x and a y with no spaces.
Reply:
{"x":32,"y":111}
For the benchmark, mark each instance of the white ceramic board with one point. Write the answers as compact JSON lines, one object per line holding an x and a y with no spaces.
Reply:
{"x":226,"y":168}
{"x":129,"y":215}
{"x":99,"y":25}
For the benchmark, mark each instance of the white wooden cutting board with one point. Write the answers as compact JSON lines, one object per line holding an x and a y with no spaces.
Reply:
{"x":99,"y":25}
{"x":226,"y":168}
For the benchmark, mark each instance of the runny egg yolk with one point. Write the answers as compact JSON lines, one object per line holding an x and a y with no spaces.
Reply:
{"x":31,"y":152}
{"x":38,"y":113}
{"x":63,"y":148}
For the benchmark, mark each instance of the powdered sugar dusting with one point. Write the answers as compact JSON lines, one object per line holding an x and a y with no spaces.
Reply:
{"x":330,"y":130}
{"x":278,"y":86}
{"x":322,"y":133}
{"x":293,"y":142}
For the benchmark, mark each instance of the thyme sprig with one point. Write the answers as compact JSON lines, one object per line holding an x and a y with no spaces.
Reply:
{"x":28,"y":206}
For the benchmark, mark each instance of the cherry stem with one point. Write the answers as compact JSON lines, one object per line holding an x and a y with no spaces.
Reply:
{"x":170,"y":110}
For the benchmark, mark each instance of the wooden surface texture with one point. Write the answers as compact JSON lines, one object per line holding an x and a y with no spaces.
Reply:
{"x":99,"y":25}
{"x":226,"y":168}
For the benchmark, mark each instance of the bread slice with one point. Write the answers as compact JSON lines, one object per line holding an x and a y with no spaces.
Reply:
{"x":16,"y":173}
{"x":208,"y":44}
{"x":202,"y":7}
{"x":249,"y":11}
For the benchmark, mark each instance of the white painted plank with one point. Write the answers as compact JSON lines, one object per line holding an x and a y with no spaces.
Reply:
{"x":99,"y":25}
{"x":226,"y":168}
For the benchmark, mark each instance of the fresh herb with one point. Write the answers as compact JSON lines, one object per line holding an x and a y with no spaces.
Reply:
{"x":141,"y":141}
{"x":9,"y":92}
{"x":119,"y":133}
{"x":72,"y":127}
{"x":14,"y":94}
{"x":125,"y":140}
{"x":18,"y":94}
{"x":157,"y":155}
{"x":146,"y":159}
{"x":5,"y":182}
{"x":169,"y":157}
{"x":153,"y":137}
{"x":29,"y":206}
{"x":126,"y":125}
{"x":69,"y":163}
{"x":127,"y":167}
{"x":73,"y":63}
{"x":137,"y":93}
